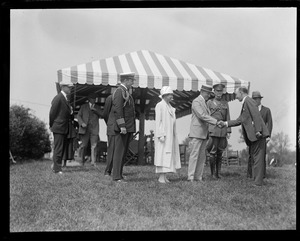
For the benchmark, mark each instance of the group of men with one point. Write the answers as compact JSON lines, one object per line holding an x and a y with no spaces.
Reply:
{"x":209,"y":130}
{"x":119,"y":116}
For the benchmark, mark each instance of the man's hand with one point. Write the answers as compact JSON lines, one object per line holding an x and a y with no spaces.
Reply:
{"x":228,"y":135}
{"x":83,"y":125}
{"x":268,"y":139}
{"x":123,"y":130}
{"x":161,"y":139}
{"x":258,"y":135}
{"x":220,"y":124}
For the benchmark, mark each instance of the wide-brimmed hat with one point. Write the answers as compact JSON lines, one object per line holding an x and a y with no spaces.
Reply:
{"x":165,"y":90}
{"x":207,"y":88}
{"x":256,"y":94}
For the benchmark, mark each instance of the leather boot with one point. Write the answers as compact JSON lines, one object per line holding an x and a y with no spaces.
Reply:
{"x":212,"y":163}
{"x":218,"y":166}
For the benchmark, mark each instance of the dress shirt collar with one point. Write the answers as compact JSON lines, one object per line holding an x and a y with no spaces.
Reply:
{"x":259,"y":107}
{"x":243,"y":101}
{"x":202,"y":97}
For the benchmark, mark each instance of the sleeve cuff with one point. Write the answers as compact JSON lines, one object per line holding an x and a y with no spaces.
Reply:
{"x":120,"y":121}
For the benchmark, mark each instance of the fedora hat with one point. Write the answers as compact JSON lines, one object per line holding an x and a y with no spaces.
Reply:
{"x":256,"y":94}
{"x":207,"y":88}
{"x":165,"y":90}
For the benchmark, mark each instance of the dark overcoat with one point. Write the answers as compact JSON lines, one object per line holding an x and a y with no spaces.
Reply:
{"x":60,"y":113}
{"x":122,"y":112}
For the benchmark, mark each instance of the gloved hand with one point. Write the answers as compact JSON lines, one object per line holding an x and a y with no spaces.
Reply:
{"x":123,"y":130}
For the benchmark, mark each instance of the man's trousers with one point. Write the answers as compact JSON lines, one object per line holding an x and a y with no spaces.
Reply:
{"x":120,"y":143}
{"x":258,"y":154}
{"x":197,"y":158}
{"x":58,"y":152}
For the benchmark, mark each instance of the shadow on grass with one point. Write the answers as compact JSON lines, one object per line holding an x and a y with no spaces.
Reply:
{"x":77,"y":169}
{"x":230,"y":174}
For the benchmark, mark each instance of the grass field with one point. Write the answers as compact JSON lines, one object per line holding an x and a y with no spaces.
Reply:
{"x":86,"y":200}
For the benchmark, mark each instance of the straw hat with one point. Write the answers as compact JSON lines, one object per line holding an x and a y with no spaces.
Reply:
{"x":207,"y":88}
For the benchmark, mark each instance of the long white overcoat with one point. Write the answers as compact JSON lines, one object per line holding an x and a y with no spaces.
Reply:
{"x":165,"y":125}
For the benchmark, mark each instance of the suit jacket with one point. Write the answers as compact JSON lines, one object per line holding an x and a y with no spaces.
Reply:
{"x":90,"y":118}
{"x":59,"y":115}
{"x":251,"y":121}
{"x":220,"y":111}
{"x":200,"y":119}
{"x":122,"y":112}
{"x":267,"y":117}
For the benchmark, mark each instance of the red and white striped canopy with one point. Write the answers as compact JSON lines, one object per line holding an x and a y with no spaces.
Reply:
{"x":152,"y":71}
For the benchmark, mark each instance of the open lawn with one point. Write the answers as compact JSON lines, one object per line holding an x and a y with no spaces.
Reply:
{"x":86,"y":200}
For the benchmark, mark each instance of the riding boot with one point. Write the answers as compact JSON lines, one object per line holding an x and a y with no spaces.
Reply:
{"x":212,"y":162}
{"x":218,"y":165}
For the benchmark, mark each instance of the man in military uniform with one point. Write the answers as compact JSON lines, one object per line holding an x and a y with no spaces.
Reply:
{"x":217,"y":136}
{"x":121,"y":125}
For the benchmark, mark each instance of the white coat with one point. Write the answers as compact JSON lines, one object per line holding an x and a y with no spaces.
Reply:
{"x":165,"y":125}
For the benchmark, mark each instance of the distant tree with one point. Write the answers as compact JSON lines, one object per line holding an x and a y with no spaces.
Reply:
{"x":280,"y":144}
{"x":241,"y":139}
{"x":28,"y":136}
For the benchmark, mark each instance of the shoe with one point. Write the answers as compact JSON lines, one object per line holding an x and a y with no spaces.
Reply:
{"x":120,"y":181}
{"x":190,"y":180}
{"x":60,"y":172}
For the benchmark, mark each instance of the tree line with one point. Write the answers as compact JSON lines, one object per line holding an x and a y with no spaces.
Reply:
{"x":28,"y":136}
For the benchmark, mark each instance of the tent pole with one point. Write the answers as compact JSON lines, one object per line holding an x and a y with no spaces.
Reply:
{"x":141,"y":154}
{"x":141,"y":142}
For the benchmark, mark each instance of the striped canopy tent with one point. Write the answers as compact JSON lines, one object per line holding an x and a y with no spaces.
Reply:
{"x":152,"y":72}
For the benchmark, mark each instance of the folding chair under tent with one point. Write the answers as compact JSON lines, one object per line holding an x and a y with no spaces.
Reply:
{"x":152,"y":71}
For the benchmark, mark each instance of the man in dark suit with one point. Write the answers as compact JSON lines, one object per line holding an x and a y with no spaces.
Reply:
{"x":59,"y":116}
{"x":267,"y":117}
{"x":88,"y":119}
{"x":121,"y":125}
{"x":254,"y":131}
{"x":217,"y":141}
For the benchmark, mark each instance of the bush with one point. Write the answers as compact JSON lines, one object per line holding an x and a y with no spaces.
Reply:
{"x":28,"y":136}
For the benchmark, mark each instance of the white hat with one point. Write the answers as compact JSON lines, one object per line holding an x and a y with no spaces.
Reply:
{"x":165,"y":90}
{"x":65,"y":83}
{"x":127,"y":75}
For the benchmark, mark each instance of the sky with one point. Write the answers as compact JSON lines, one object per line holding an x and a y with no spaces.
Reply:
{"x":253,"y":44}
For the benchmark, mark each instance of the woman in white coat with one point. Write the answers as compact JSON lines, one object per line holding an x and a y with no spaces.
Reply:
{"x":166,"y":157}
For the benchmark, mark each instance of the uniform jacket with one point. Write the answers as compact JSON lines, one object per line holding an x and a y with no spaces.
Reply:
{"x":251,"y":121}
{"x":220,"y":111}
{"x":60,"y":113}
{"x":90,"y":118}
{"x":200,"y":119}
{"x":122,"y":112}
{"x":267,"y":117}
{"x":165,"y":125}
